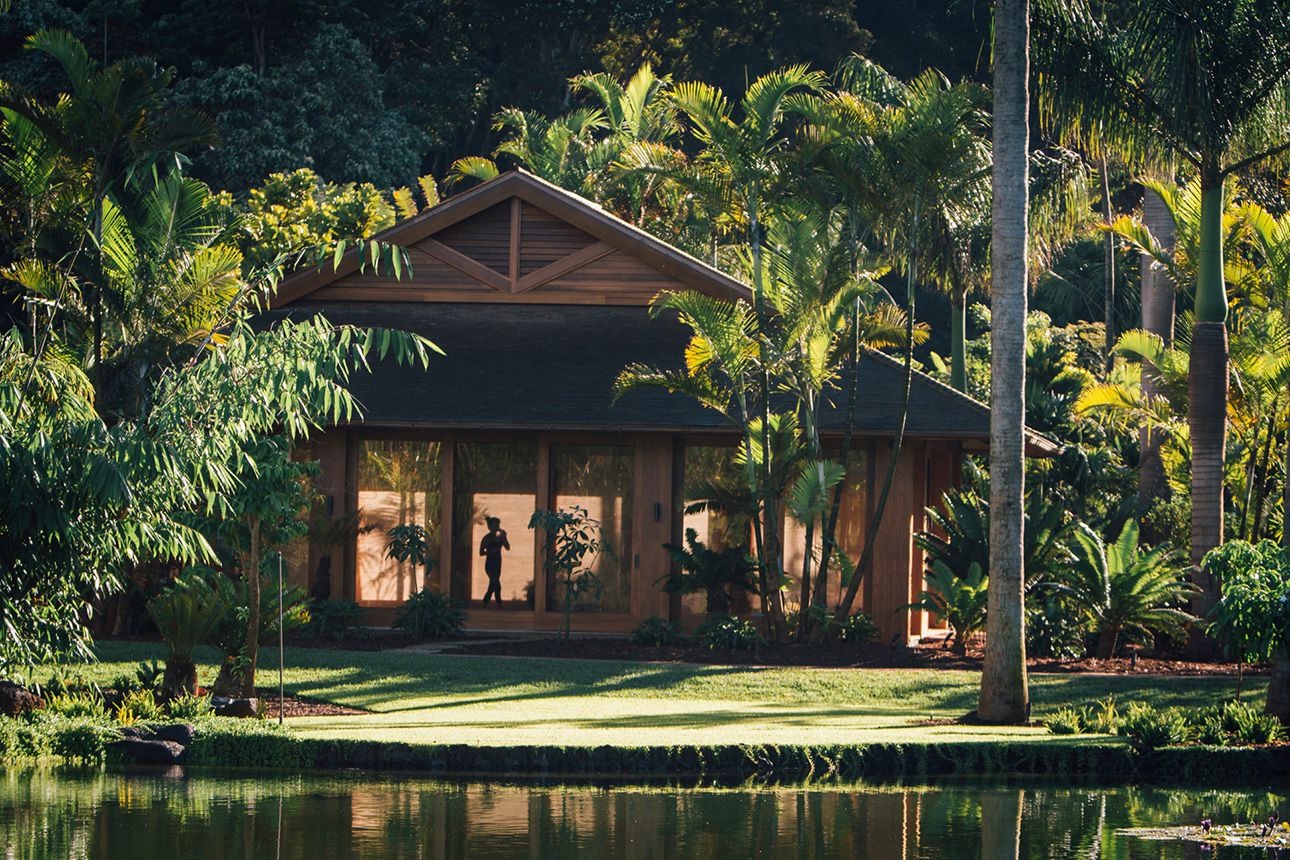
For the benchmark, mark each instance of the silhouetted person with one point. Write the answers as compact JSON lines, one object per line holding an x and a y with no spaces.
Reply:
{"x":491,"y":549}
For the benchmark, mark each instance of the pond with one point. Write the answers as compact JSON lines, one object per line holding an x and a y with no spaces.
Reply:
{"x":141,"y":815}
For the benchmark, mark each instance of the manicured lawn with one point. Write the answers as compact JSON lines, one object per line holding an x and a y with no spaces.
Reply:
{"x":502,"y":701}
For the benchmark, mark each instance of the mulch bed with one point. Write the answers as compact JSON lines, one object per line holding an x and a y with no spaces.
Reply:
{"x":836,"y":656}
{"x":298,"y":706}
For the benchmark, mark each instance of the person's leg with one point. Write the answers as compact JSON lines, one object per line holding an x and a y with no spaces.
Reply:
{"x":494,"y":587}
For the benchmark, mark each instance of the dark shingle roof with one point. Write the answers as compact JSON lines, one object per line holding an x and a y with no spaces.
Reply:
{"x":553,"y":366}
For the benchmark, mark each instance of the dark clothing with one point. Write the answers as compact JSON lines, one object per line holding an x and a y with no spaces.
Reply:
{"x":491,"y":549}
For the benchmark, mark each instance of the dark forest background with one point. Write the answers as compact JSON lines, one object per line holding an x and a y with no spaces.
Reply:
{"x":383,"y":91}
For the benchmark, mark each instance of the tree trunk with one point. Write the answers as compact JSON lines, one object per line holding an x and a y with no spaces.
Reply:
{"x":180,"y":677}
{"x":1285,"y":495}
{"x":1279,"y":687}
{"x":1106,"y":642}
{"x":1157,"y":318}
{"x":772,"y":602}
{"x":252,"y":575}
{"x":1005,"y":695}
{"x":1108,"y":263}
{"x":958,"y":340}
{"x":1207,"y":393}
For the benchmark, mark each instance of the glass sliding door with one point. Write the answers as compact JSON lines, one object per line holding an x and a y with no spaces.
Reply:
{"x":494,"y":494}
{"x":712,"y":478}
{"x":600,"y":479}
{"x":398,"y":484}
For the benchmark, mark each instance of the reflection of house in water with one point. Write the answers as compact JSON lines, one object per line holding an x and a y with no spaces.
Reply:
{"x":538,"y":299}
{"x":455,"y":823}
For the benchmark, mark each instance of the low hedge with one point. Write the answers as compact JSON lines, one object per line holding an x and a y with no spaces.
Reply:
{"x":1103,"y":761}
{"x":250,"y":743}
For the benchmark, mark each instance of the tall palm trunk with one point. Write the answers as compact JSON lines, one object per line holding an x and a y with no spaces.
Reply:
{"x":1207,"y":392}
{"x":1108,"y":262}
{"x":1157,"y":318}
{"x":958,"y":339}
{"x":771,"y":594}
{"x":1005,"y":696}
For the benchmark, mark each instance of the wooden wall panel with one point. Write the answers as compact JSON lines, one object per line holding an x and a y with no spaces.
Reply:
{"x":889,"y":585}
{"x":653,"y":515}
{"x":426,"y":272}
{"x":944,"y":470}
{"x":545,"y":239}
{"x":485,"y":237}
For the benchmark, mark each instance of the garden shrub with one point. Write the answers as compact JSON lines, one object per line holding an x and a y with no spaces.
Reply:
{"x":1148,"y":728}
{"x":1054,"y":628}
{"x":149,"y":674}
{"x":332,"y":619}
{"x":1066,"y":721}
{"x":431,"y":615}
{"x":74,"y":705}
{"x":137,"y":706}
{"x":1249,"y":725}
{"x":1102,"y":717}
{"x":1210,"y":731}
{"x":717,"y":574}
{"x":730,"y":634}
{"x":656,"y":631}
{"x":858,"y":629}
{"x":189,"y":708}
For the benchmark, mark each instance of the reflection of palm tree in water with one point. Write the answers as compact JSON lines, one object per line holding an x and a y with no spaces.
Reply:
{"x":490,"y":547}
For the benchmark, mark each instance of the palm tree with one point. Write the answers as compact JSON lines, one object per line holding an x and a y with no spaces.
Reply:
{"x":739,"y":176}
{"x":1126,"y":590}
{"x":118,"y":121}
{"x":583,"y":149}
{"x":1271,"y":236}
{"x":1005,"y":695}
{"x":911,"y":163}
{"x":558,"y":150}
{"x":827,"y":307}
{"x":1206,"y":82}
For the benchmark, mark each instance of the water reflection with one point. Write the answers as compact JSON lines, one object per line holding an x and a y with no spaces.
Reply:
{"x":46,"y":814}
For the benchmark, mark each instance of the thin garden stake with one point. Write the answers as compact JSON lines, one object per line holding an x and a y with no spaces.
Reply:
{"x":281,"y":694}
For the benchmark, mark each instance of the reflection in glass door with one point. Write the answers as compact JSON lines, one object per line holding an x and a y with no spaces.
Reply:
{"x":494,"y":495}
{"x":600,"y":479}
{"x":398,"y":484}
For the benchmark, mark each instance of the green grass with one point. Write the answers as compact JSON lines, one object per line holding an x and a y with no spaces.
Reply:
{"x":498,"y":701}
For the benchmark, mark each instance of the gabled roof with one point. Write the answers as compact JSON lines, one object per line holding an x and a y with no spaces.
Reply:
{"x":511,"y":318}
{"x":609,"y":232}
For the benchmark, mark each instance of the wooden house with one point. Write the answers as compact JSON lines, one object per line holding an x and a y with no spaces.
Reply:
{"x":539,"y":299}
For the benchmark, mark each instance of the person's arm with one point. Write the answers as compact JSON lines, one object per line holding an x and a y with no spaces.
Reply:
{"x":506,"y":543}
{"x":483,"y":550}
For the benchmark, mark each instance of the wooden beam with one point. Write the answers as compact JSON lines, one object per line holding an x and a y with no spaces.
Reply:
{"x":464,"y":264}
{"x":563,"y":266}
{"x":515,"y":244}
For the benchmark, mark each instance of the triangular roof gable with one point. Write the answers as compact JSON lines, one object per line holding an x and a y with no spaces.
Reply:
{"x":565,"y":217}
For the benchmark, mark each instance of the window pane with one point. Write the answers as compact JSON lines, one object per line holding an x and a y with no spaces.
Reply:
{"x":600,"y":479}
{"x":398,"y":484}
{"x":494,"y":480}
{"x":712,"y":477}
